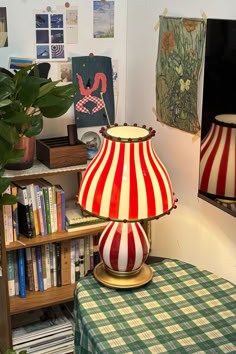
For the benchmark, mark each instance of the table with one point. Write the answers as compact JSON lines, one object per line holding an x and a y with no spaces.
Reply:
{"x":183,"y":310}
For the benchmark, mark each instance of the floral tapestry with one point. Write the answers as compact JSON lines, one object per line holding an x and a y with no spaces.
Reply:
{"x":179,"y":61}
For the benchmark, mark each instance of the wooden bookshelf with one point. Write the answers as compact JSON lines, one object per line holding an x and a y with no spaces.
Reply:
{"x":38,"y":300}
{"x":24,"y":242}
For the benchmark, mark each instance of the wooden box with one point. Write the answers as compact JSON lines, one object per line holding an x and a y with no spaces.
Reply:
{"x":56,"y":152}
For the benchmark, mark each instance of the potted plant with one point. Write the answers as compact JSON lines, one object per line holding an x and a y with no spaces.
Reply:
{"x":24,"y":101}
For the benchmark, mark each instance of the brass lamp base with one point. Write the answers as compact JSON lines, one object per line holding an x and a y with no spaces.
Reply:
{"x":120,"y":281}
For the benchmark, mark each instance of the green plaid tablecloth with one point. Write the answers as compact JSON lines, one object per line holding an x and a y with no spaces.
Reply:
{"x":183,"y":310}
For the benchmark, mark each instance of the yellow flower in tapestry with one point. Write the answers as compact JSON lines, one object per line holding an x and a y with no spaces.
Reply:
{"x":179,"y":61}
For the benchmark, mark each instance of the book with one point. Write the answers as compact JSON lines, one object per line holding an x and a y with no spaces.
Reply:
{"x":14,"y":214}
{"x":54,"y":209}
{"x":47,"y":209}
{"x":23,"y":212}
{"x":11,"y":273}
{"x":35,"y":272}
{"x":72,"y":260}
{"x":38,"y":201}
{"x":65,"y":263}
{"x":21,"y":272}
{"x":51,"y":264}
{"x":29,"y":269}
{"x":51,"y":213}
{"x":16,"y":274}
{"x":85,"y":226}
{"x":74,"y":215}
{"x":48,"y":266}
{"x":91,"y":237}
{"x":86,"y":255}
{"x":77,"y":259}
{"x":34,"y":207}
{"x":39,"y":268}
{"x":31,"y":213}
{"x":43,"y":211}
{"x":54,"y":264}
{"x":7,"y":219}
{"x":43,"y":253}
{"x":62,"y":207}
{"x":58,"y":263}
{"x":59,"y":219}
{"x":81,"y":258}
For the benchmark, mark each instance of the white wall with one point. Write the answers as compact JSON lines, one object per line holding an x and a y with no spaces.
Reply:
{"x":22,"y":44}
{"x":196,"y":232}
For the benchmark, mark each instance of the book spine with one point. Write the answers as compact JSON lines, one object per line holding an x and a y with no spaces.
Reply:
{"x":14,"y":213}
{"x":43,"y":211}
{"x":39,"y":209}
{"x":16,"y":274}
{"x":43,"y":253}
{"x":48,"y":266}
{"x":31,"y":213}
{"x":96,"y":249}
{"x":51,"y":264}
{"x":39,"y":268}
{"x":35,"y":211}
{"x":5,"y":224}
{"x":81,"y":258}
{"x":21,"y":270}
{"x":59,"y":219}
{"x":72,"y":260}
{"x":50,"y":199}
{"x":29,"y":269}
{"x":11,"y":273}
{"x":54,"y":265}
{"x":54,"y":208}
{"x":47,"y":209}
{"x":24,"y":214}
{"x":77,"y":259}
{"x":91,"y":252}
{"x":86,"y":255}
{"x":36,"y":283}
{"x":63,"y":210}
{"x":65,"y":263}
{"x":58,"y":263}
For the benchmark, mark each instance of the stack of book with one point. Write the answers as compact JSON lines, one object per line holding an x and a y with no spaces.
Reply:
{"x":76,"y":220}
{"x":40,"y":209}
{"x":47,"y":331}
{"x":52,"y":265}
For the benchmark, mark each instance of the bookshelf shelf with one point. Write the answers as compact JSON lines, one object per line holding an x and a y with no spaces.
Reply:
{"x":40,"y":170}
{"x":55,"y":237}
{"x":37,"y":300}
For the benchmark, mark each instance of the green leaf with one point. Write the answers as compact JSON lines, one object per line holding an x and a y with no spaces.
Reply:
{"x":47,"y":101}
{"x":36,"y":127}
{"x":5,"y":102}
{"x":4,"y":183}
{"x":29,"y":90}
{"x":10,"y":351}
{"x":57,"y":110}
{"x":5,"y":90}
{"x":46,"y":88}
{"x":14,"y":156}
{"x":65,"y":91}
{"x":17,"y":118}
{"x":9,"y":133}
{"x":22,"y":73}
{"x":8,"y":199}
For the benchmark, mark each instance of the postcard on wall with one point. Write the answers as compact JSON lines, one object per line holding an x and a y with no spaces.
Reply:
{"x":50,"y":34}
{"x":71,"y":23}
{"x":19,"y":63}
{"x":3,"y":27}
{"x":103,"y":19}
{"x":65,"y":72}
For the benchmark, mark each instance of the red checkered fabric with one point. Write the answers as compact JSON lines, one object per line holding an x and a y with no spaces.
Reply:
{"x":80,"y":104}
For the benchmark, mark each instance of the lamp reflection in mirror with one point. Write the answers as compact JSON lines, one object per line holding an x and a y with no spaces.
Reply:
{"x":125,"y":184}
{"x":218,"y":160}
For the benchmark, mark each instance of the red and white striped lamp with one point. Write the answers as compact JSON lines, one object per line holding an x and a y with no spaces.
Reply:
{"x":124,"y":184}
{"x":218,"y":159}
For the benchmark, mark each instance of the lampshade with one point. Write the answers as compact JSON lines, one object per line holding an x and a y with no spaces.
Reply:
{"x":218,"y":158}
{"x":126,"y":181}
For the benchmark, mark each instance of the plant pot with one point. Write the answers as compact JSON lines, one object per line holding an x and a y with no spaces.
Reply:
{"x":27,"y":161}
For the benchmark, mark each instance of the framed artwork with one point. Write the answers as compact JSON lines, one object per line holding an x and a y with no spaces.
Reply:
{"x":3,"y":27}
{"x":94,"y":102}
{"x":50,"y":36}
{"x":103,"y":19}
{"x":179,"y":61}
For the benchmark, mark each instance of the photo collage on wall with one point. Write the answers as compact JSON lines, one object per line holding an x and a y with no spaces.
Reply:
{"x":50,"y":36}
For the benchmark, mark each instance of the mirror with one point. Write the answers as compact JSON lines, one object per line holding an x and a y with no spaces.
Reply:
{"x":217,"y":177}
